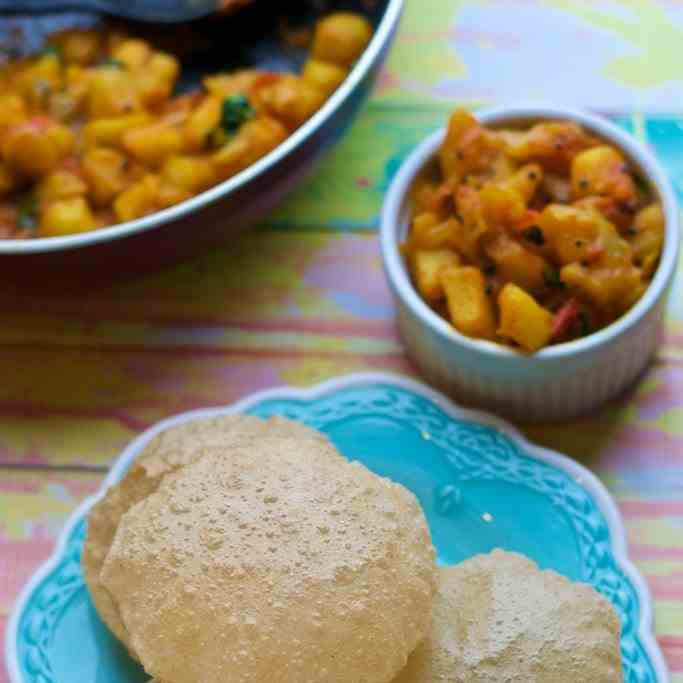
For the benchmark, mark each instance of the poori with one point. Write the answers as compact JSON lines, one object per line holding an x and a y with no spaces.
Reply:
{"x":499,"y":619}
{"x":271,"y":558}
{"x":172,"y":448}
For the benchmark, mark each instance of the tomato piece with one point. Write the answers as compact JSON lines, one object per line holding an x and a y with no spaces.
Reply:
{"x":566,"y":318}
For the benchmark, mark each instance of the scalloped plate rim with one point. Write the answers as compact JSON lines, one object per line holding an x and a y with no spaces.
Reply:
{"x":578,"y":472}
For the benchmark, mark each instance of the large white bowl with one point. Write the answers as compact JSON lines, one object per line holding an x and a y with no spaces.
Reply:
{"x":559,"y":381}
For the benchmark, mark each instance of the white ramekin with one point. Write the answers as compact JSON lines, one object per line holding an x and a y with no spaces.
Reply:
{"x":560,"y":381}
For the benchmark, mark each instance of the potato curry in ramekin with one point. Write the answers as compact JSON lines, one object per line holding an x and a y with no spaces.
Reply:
{"x":533,"y":236}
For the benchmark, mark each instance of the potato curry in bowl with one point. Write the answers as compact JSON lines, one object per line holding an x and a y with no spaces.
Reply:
{"x":531,"y":236}
{"x":92,"y":133}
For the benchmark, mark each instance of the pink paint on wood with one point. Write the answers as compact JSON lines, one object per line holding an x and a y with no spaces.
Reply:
{"x":643,"y":553}
{"x":672,"y":647}
{"x":668,"y":587}
{"x":645,"y":508}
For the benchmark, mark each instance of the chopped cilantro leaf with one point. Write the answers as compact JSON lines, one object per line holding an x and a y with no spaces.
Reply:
{"x":235,"y":111}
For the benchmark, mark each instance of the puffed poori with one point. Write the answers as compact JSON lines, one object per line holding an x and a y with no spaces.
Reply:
{"x":233,"y":553}
{"x":167,"y":451}
{"x":499,"y":619}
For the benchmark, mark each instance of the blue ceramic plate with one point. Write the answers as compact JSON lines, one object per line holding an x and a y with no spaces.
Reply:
{"x":481,"y":484}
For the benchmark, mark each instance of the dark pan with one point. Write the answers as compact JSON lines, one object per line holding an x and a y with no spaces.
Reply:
{"x":252,"y":37}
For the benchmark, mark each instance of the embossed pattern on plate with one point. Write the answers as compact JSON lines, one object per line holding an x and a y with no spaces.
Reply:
{"x":480,"y":483}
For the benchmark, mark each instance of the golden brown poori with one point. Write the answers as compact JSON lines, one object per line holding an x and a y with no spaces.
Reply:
{"x":499,"y":619}
{"x":272,"y":557}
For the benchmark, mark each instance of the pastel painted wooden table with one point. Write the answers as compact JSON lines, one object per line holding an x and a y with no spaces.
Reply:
{"x":303,"y":298}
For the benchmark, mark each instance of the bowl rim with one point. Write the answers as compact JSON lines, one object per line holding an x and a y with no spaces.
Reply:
{"x":379,"y":40}
{"x":425,"y":152}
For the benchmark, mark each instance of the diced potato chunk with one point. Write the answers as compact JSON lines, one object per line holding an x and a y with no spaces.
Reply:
{"x":105,"y":170}
{"x":65,"y":217}
{"x":525,"y":181}
{"x":612,"y":289}
{"x":170,"y":195}
{"x":324,"y":76}
{"x":451,"y":158}
{"x":582,"y":235}
{"x":111,"y":93}
{"x":427,"y":266}
{"x":140,"y":199}
{"x":649,"y":238}
{"x":503,"y":205}
{"x":235,"y":83}
{"x":201,"y":122}
{"x":570,"y":231}
{"x":61,"y":184}
{"x":553,"y":144}
{"x":473,"y":226}
{"x":469,"y":147}
{"x":429,"y":232}
{"x":602,"y":171}
{"x":36,"y":147}
{"x":62,"y":138}
{"x":523,"y":320}
{"x":254,"y":139}
{"x":619,"y":213}
{"x":166,"y":66}
{"x":517,"y":264}
{"x":422,"y":223}
{"x":133,"y":53}
{"x":192,"y":174}
{"x":153,"y":144}
{"x":340,"y":38}
{"x":12,"y":109}
{"x":651,"y":218}
{"x":154,"y":82}
{"x":469,"y":307}
{"x":613,"y":249}
{"x":109,"y":132}
{"x":291,"y":99}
